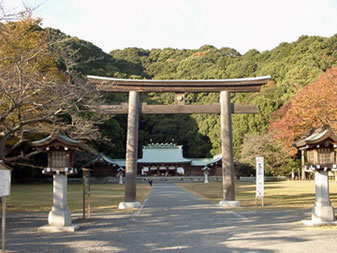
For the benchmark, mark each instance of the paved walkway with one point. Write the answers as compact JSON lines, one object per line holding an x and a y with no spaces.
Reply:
{"x":173,"y":220}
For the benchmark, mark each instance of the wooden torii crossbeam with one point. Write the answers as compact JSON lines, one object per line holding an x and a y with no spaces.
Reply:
{"x":133,"y":108}
{"x":122,"y":108}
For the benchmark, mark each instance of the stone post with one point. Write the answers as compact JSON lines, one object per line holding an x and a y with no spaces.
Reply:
{"x":227,"y":152}
{"x":59,"y":218}
{"x":322,"y":210}
{"x":131,"y":153}
{"x":206,"y":178}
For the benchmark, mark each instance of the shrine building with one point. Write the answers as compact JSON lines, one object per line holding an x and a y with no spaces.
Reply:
{"x":165,"y":159}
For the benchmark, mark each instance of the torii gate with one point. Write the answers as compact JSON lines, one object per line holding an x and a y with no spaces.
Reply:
{"x":133,"y":108}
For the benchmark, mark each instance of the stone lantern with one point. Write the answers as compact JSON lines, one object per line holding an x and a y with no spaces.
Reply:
{"x":60,"y":149}
{"x":206,"y":170}
{"x":320,"y":152}
{"x":120,"y":174}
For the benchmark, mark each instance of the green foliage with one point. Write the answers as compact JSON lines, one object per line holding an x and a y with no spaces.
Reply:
{"x":115,"y":137}
{"x":291,"y":65}
{"x":182,"y":130}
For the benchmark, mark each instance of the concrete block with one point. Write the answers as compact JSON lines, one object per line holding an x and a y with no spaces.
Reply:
{"x":59,"y":217}
{"x":57,"y":229}
{"x":323,"y":214}
{"x":229,"y":204}
{"x":129,"y":205}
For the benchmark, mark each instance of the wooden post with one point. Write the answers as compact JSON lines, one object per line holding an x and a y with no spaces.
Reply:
{"x":3,"y":238}
{"x":86,"y":190}
{"x":89,"y":202}
{"x":227,"y":147}
{"x":84,"y":193}
{"x":303,"y":162}
{"x":132,"y":147}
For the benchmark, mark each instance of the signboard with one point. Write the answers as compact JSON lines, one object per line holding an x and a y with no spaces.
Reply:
{"x":5,"y":182}
{"x":259,"y":177}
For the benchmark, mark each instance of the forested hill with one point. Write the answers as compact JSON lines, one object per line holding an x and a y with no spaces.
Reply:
{"x":291,"y":65}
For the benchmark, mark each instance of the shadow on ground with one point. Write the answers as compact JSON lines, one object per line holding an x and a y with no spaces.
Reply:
{"x":174,"y":220}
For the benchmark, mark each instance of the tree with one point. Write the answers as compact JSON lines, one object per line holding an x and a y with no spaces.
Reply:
{"x":314,"y":106}
{"x":35,"y":95}
{"x":13,"y":15}
{"x":276,"y":160}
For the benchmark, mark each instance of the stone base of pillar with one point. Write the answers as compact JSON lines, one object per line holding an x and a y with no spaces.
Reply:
{"x":59,"y":217}
{"x":129,"y":205}
{"x":53,"y":229}
{"x":312,"y":223}
{"x":229,"y":204}
{"x":323,"y":214}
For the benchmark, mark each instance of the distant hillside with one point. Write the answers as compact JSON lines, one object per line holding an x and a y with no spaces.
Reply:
{"x":291,"y":65}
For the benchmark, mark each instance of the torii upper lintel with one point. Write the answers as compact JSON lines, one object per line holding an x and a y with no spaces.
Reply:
{"x":213,"y":85}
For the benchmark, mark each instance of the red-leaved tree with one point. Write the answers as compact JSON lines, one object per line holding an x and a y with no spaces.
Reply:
{"x":314,"y":106}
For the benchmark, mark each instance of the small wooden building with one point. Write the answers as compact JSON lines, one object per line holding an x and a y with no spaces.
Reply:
{"x":318,"y":150}
{"x":61,"y":152}
{"x":104,"y":166}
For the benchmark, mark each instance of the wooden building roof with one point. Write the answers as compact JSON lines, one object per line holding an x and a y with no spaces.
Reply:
{"x":107,"y":159}
{"x":58,"y":138}
{"x":205,"y":161}
{"x":161,"y":154}
{"x":168,"y":153}
{"x":316,"y":137}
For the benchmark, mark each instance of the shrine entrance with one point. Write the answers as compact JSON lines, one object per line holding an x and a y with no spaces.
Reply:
{"x":179,"y":87}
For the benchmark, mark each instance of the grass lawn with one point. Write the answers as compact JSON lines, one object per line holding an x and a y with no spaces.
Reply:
{"x":282,"y":194}
{"x":106,"y":197}
{"x":39,"y":197}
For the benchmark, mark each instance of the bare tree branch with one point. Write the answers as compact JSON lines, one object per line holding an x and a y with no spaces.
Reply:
{"x":35,"y":94}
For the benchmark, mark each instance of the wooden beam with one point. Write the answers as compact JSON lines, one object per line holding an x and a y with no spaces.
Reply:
{"x":3,"y":224}
{"x":177,"y":89}
{"x":122,"y":108}
{"x":179,"y":109}
{"x":303,"y":164}
{"x":214,"y":85}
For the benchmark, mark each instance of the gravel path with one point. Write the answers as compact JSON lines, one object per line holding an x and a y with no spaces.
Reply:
{"x":174,"y":220}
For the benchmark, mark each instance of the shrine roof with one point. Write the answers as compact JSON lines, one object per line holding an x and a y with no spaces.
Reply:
{"x":205,"y":161}
{"x":108,"y":159}
{"x":60,"y":138}
{"x":170,"y":159}
{"x":163,"y":153}
{"x":316,"y":136}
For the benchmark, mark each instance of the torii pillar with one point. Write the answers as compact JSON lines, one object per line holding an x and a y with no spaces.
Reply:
{"x":227,"y":152}
{"x":131,"y":154}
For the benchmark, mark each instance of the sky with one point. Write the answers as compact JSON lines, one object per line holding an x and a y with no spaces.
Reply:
{"x":190,"y":24}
